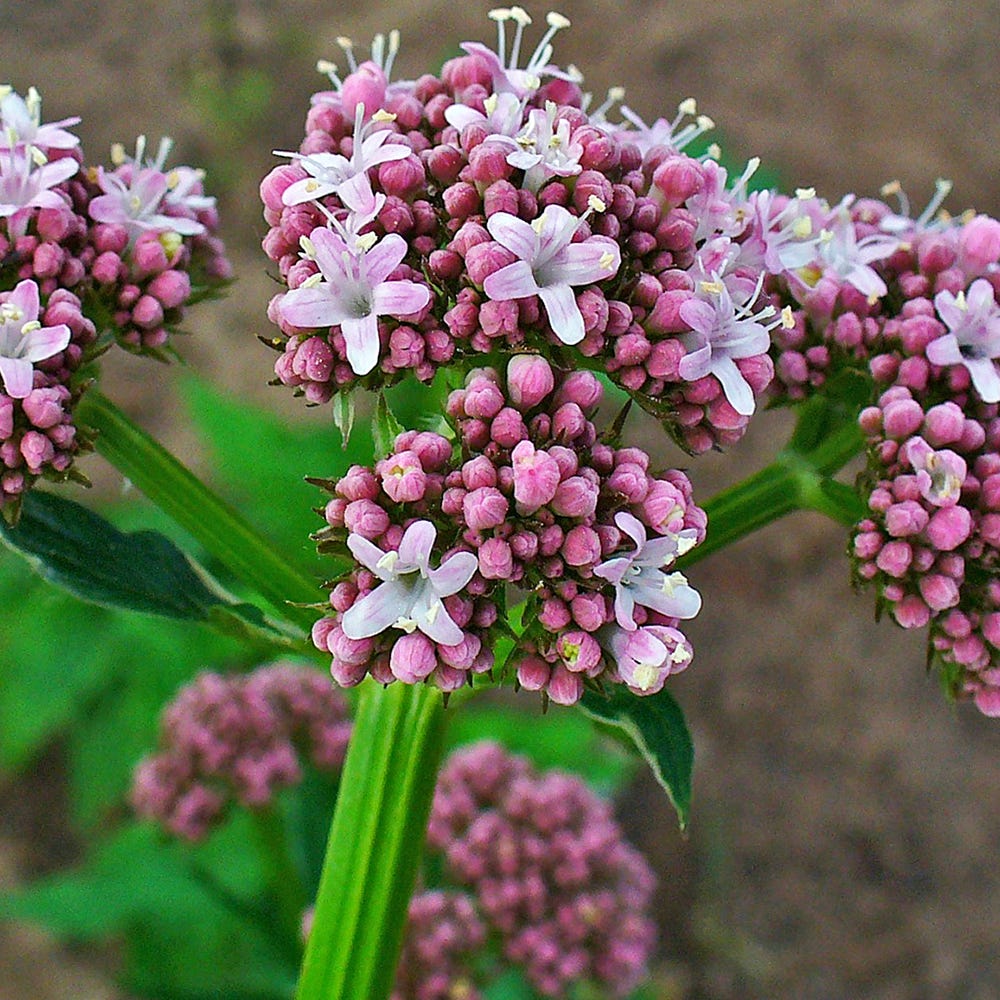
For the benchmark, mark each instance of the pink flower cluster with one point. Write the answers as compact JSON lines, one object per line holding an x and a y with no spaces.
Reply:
{"x":426,"y":223}
{"x":238,"y":739}
{"x":917,"y":314}
{"x":444,"y":937}
{"x":549,"y":874}
{"x":90,"y":255}
{"x":531,"y":502}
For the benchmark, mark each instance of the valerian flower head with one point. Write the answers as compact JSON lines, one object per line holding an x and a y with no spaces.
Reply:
{"x":410,"y":596}
{"x":973,"y":338}
{"x":23,"y":339}
{"x":332,"y":173}
{"x":638,"y":578}
{"x":550,"y":264}
{"x":21,"y":123}
{"x":352,"y":291}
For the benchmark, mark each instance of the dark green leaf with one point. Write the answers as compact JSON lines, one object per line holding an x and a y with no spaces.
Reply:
{"x":79,"y":550}
{"x":655,"y":725}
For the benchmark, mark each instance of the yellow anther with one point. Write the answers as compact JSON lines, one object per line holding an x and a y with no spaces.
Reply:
{"x":325,"y":67}
{"x":308,"y":247}
{"x":689,"y":106}
{"x":520,"y":16}
{"x":538,"y":225}
{"x":616,"y":93}
{"x":804,"y":194}
{"x":704,"y":122}
{"x":383,"y":116}
{"x":556,"y":20}
{"x":366,"y":242}
{"x":388,"y":561}
{"x":5,"y":90}
{"x":312,"y":281}
{"x":345,"y":43}
{"x":607,"y":259}
{"x":499,"y":14}
{"x":802,"y":227}
{"x":893,"y":187}
{"x":32,"y":326}
{"x":37,"y":156}
{"x":711,"y":287}
{"x":714,"y":151}
{"x":490,"y":104}
{"x":117,"y":154}
{"x":595,"y":204}
{"x":787,"y":318}
{"x":644,"y":676}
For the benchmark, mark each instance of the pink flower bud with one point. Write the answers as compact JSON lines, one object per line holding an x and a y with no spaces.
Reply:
{"x":484,"y":508}
{"x":463,"y":655}
{"x":508,"y":429}
{"x":36,"y":450}
{"x":575,"y":497}
{"x":524,"y":545}
{"x":677,"y":178}
{"x":949,"y":527}
{"x":529,"y":380}
{"x":979,"y":242}
{"x":533,"y":673}
{"x":483,"y":398}
{"x":496,"y":561}
{"x":906,"y":518}
{"x":358,"y":484}
{"x":581,"y":546}
{"x":412,"y":659}
{"x":402,"y":178}
{"x":536,"y":477}
{"x":911,"y":612}
{"x":554,"y":615}
{"x":582,"y":388}
{"x":171,"y":288}
{"x":365,"y":518}
{"x":580,"y":652}
{"x":433,"y":450}
{"x":564,"y":687}
{"x":403,"y":477}
{"x":894,"y":559}
{"x":939,"y":591}
{"x":364,"y":86}
{"x":43,"y":407}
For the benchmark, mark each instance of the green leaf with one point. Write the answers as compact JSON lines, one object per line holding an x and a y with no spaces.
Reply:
{"x":80,"y":551}
{"x":386,"y":427}
{"x":655,"y":725}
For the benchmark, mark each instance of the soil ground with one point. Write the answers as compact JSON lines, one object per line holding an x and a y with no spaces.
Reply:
{"x":843,"y":842}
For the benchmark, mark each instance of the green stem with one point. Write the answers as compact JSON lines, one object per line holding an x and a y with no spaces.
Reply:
{"x":375,"y":846}
{"x":246,"y":553}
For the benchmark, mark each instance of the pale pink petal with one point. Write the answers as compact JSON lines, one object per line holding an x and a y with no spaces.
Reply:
{"x":453,"y":574}
{"x":361,"y":338}
{"x":180,"y":225}
{"x":624,"y":606}
{"x":433,"y":619}
{"x":698,"y":315}
{"x":513,"y":281}
{"x":632,"y":527}
{"x":370,"y":556}
{"x":107,"y":208}
{"x":377,"y":611}
{"x":25,"y":298}
{"x":944,"y":350}
{"x":416,"y":544}
{"x":563,"y":312}
{"x":375,"y":149}
{"x":985,"y":378}
{"x":57,"y":171}
{"x":684,"y":602}
{"x":356,"y":192}
{"x":734,"y":385}
{"x":697,"y":364}
{"x":583,"y":263}
{"x":312,"y":308}
{"x":613,"y":570}
{"x":384,"y":257}
{"x":513,"y":233}
{"x":45,"y":341}
{"x":17,"y":376}
{"x":400,"y":298}
{"x":330,"y":251}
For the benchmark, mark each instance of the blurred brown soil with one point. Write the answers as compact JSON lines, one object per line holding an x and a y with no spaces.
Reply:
{"x":846,"y":821}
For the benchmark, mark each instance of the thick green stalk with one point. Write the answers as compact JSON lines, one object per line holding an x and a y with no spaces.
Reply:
{"x":375,"y":846}
{"x":244,"y":551}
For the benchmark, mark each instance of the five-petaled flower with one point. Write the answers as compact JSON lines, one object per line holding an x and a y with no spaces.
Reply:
{"x":23,"y":340}
{"x":134,"y":202}
{"x":410,"y":596}
{"x":21,"y":122}
{"x":351,"y":290}
{"x":550,"y":264}
{"x":638,"y":578}
{"x":973,"y":337}
{"x":332,"y":173}
{"x":647,"y":656}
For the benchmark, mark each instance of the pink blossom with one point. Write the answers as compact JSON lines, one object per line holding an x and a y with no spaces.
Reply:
{"x":23,"y":340}
{"x":550,"y":264}
{"x":352,"y":291}
{"x":973,"y":338}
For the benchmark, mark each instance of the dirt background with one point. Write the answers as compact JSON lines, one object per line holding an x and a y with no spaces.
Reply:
{"x":846,"y":821}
